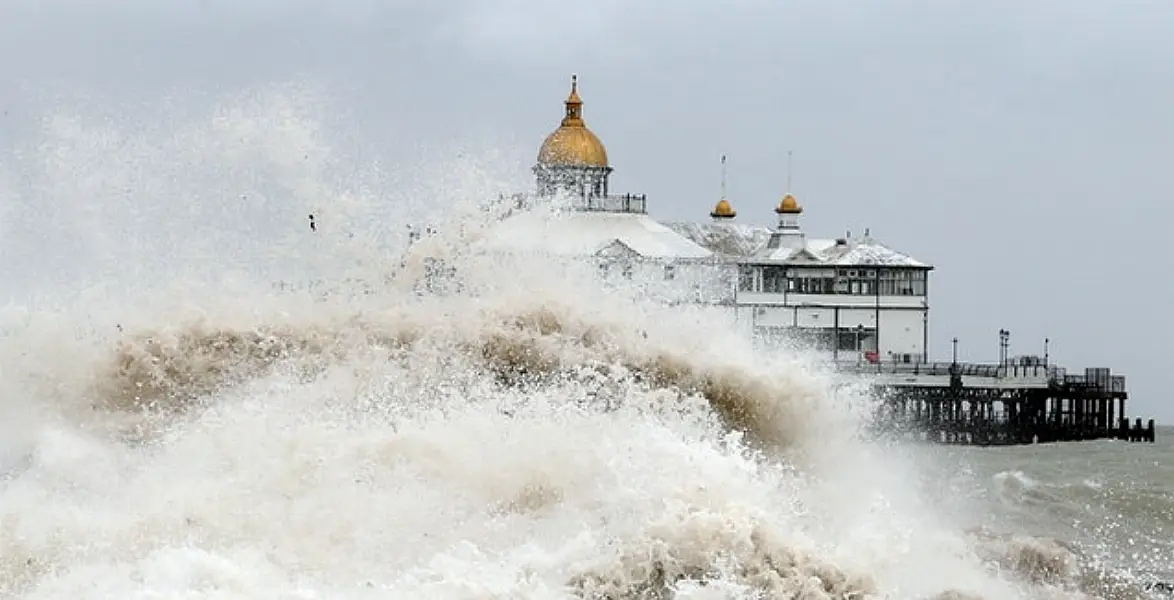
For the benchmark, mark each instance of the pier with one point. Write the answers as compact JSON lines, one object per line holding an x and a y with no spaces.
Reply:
{"x":850,"y":297}
{"x":1001,"y":404}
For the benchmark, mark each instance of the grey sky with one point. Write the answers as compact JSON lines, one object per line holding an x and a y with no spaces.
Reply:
{"x":1020,"y":147}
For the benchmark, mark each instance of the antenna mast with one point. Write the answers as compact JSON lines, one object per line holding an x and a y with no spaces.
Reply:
{"x":723,"y":176}
{"x":788,"y":171}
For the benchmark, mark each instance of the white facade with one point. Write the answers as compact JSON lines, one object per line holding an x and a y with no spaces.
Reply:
{"x":853,"y":298}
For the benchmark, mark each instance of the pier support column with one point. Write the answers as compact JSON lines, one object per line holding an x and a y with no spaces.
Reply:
{"x":1111,"y":417}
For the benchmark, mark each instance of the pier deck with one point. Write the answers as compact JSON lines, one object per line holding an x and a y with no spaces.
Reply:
{"x":981,"y":404}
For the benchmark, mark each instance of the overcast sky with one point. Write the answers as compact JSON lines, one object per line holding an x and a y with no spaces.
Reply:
{"x":1020,"y":147}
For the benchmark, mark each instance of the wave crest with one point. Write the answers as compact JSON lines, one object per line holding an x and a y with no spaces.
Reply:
{"x":701,"y":548}
{"x":167,"y":371}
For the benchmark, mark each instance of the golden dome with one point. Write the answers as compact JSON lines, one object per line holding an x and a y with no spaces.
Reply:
{"x":572,"y":144}
{"x":723,"y":210}
{"x":789,"y":205}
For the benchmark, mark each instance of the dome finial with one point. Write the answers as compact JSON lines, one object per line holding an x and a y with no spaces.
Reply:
{"x":574,"y":104}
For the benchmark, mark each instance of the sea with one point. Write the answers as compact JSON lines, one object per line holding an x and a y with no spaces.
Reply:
{"x":174,"y":425}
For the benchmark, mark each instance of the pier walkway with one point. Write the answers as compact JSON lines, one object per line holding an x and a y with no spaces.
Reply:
{"x":984,"y":404}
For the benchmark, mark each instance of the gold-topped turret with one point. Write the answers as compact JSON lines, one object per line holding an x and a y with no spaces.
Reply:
{"x":789,"y":206}
{"x":573,"y":144}
{"x":723,"y":210}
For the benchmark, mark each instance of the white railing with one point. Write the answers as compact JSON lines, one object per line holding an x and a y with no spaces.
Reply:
{"x":628,"y":203}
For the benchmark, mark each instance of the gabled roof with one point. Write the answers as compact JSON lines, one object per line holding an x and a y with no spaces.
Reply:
{"x":750,"y":243}
{"x":868,"y":251}
{"x":725,"y":238}
{"x":808,"y":254}
{"x":617,"y":249}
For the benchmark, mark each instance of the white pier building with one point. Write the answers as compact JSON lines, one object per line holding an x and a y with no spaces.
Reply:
{"x":852,"y":297}
{"x":862,"y":304}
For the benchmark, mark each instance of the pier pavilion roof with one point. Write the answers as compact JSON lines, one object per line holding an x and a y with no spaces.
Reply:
{"x":727,"y":238}
{"x":749,"y":242}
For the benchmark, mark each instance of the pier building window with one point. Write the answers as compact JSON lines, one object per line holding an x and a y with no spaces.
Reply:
{"x":902,"y":282}
{"x":854,"y":281}
{"x":885,"y":282}
{"x":812,"y":281}
{"x":861,"y":287}
{"x":894,"y":282}
{"x":857,"y":282}
{"x":774,"y":280}
{"x":917,"y":283}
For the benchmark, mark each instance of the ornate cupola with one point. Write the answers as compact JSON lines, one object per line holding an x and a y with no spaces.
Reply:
{"x":788,"y":234}
{"x":572,"y":159}
{"x":789,"y":211}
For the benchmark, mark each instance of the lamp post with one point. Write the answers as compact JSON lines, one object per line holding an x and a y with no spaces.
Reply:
{"x":1004,"y":345}
{"x":1046,"y":340}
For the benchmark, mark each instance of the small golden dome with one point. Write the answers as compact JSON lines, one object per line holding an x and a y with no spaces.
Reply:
{"x":723,"y":210}
{"x":789,"y":205}
{"x":572,"y":144}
